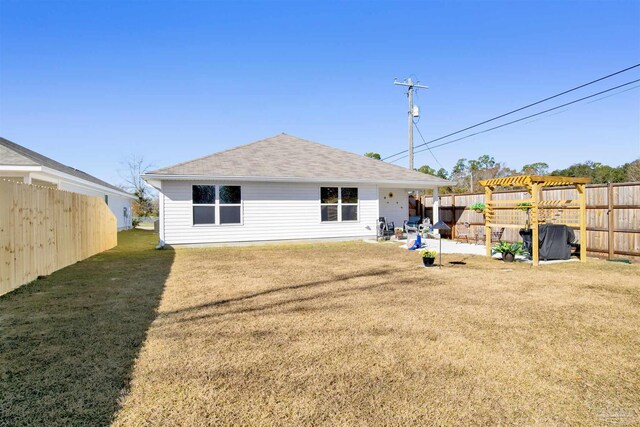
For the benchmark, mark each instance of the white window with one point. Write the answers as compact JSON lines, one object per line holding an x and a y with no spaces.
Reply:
{"x":216,"y":204}
{"x":338,"y":204}
{"x":230,"y":199}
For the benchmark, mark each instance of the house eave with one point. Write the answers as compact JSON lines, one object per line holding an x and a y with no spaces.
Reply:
{"x":154,"y":180}
{"x":57,"y":175}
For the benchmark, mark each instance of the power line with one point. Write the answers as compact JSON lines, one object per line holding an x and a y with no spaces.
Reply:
{"x":520,"y":109}
{"x":523,"y":118}
{"x":432,"y":155}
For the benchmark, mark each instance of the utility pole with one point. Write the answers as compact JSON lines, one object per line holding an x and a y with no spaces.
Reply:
{"x":410,"y":87}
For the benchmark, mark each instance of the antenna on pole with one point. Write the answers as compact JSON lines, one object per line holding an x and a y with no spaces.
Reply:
{"x":412,"y":113}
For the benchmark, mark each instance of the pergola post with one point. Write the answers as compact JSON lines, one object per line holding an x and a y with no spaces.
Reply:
{"x":583,"y":221}
{"x":488,"y":192}
{"x":534,"y":188}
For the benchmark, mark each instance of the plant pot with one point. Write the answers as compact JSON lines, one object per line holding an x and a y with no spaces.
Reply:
{"x":479,"y":210}
{"x":527,"y":240}
{"x":428,"y":262}
{"x":508,"y":257}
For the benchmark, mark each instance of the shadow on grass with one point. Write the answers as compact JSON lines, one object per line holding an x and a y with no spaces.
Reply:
{"x":68,"y":342}
{"x":331,"y":280}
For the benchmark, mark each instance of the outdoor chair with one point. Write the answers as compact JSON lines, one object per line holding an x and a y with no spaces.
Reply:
{"x":384,"y":229}
{"x":496,"y":234}
{"x":413,"y":222}
{"x":463,"y":231}
{"x":425,"y":227}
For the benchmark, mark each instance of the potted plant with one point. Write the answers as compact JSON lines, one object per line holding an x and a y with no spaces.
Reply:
{"x":478,"y":207}
{"x":509,"y":250}
{"x":428,"y":257}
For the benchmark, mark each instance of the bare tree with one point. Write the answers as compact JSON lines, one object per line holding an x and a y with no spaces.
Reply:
{"x":132,"y":170}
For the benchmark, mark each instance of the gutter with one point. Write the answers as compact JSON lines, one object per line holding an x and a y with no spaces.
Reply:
{"x":151,"y":177}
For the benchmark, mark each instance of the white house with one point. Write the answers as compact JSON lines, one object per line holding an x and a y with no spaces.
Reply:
{"x":18,"y":163}
{"x":282,"y":188}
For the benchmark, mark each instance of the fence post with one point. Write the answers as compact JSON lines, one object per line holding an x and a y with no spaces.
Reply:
{"x":454,"y":221}
{"x":583,"y":222}
{"x":610,"y":228}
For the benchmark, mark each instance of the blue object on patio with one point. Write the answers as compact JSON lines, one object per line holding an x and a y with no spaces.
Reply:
{"x":417,"y":244}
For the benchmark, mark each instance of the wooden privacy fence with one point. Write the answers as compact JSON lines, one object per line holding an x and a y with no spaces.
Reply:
{"x":43,"y":230}
{"x":613,"y":215}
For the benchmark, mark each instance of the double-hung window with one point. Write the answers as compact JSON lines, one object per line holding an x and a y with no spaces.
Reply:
{"x":204,"y":204}
{"x":230,"y":198}
{"x":216,"y":204}
{"x":338,"y":204}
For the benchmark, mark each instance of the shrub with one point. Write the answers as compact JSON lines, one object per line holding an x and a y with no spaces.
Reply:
{"x":503,"y":247}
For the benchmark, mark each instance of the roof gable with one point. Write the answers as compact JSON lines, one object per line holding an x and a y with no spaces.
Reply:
{"x":286,"y":156}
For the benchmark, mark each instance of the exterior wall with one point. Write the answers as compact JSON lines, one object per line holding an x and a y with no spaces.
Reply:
{"x":116,"y":202}
{"x":394,"y":208}
{"x":270,"y":211}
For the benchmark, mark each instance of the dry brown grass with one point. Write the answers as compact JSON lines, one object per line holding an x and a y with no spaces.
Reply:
{"x":357,"y":334}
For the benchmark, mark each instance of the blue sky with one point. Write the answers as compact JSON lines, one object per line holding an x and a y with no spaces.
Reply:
{"x":91,"y":83}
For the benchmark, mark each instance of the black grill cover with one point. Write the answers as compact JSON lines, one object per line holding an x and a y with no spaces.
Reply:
{"x":555,"y":241}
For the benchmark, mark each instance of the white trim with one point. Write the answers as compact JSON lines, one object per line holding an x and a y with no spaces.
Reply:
{"x":217,"y":205}
{"x":58,"y":174}
{"x":339,"y":204}
{"x":87,"y":183}
{"x":402,"y":183}
{"x":160,"y":216}
{"x":20,"y":168}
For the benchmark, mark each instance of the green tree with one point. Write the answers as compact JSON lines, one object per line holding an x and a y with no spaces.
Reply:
{"x":599,"y":173}
{"x":633,"y":171}
{"x":538,"y":168}
{"x":440,"y":173}
{"x":467,"y":173}
{"x":427,"y":169}
{"x":373,"y":155}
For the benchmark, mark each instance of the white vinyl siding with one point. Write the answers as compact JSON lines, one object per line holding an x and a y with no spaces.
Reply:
{"x":270,"y":211}
{"x":394,"y":205}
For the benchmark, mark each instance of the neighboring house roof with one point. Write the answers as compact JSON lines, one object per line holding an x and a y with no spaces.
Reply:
{"x":288,"y":158}
{"x":12,"y":154}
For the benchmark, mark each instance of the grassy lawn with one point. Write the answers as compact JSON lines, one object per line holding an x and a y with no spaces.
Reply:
{"x":356,"y":334}
{"x":331,"y":334}
{"x":68,"y":342}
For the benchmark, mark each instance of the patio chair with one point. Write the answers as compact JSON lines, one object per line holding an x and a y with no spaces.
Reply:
{"x":384,"y":229}
{"x":413,"y":222}
{"x":496,"y":235}
{"x":425,"y":227}
{"x":463,"y":231}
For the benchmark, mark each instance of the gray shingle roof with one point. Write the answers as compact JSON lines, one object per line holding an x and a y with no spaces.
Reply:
{"x":12,"y":154}
{"x":286,"y":156}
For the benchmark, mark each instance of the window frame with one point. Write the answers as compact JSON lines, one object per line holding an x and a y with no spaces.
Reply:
{"x":216,"y":205}
{"x":339,"y":204}
{"x":356,"y":204}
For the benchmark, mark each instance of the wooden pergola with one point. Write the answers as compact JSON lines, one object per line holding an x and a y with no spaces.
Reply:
{"x":512,"y":213}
